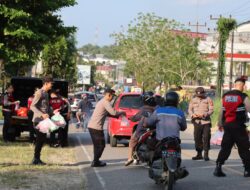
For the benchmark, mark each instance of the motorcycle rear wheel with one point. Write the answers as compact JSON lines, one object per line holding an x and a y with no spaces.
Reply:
{"x":170,"y":181}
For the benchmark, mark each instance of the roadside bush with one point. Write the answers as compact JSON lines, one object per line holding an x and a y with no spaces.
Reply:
{"x":217,"y":108}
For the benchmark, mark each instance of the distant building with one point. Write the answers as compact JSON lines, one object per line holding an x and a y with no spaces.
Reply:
{"x":241,"y":55}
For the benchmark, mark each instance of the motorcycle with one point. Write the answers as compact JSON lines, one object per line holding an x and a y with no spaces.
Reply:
{"x":165,"y":168}
{"x":143,"y":151}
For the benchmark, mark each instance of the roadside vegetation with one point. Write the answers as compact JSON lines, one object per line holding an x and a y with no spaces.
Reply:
{"x":1,"y":114}
{"x":16,"y":172}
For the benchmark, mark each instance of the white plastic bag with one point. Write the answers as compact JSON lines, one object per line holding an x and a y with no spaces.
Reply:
{"x":58,"y":120}
{"x":46,"y":126}
{"x":217,"y":138}
{"x":124,"y":122}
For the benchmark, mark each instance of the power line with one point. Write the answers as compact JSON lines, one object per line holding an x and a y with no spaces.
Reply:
{"x":243,"y":5}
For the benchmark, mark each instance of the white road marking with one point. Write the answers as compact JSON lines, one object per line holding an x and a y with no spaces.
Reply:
{"x":97,"y":173}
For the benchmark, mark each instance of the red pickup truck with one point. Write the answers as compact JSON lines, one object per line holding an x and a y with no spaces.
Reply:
{"x":130,"y":103}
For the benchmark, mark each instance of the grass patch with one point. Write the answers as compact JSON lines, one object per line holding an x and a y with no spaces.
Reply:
{"x":16,"y":180}
{"x":16,"y":171}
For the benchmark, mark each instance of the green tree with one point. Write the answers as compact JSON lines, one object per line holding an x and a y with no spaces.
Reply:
{"x":155,"y":54}
{"x":109,"y":51}
{"x":59,"y":58}
{"x":26,"y":25}
{"x":90,"y":49}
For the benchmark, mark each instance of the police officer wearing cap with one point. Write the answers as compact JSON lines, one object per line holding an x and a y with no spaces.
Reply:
{"x":200,"y":109}
{"x":235,"y":105}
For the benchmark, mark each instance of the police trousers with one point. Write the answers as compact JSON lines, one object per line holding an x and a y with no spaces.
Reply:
{"x":98,"y":140}
{"x":238,"y":136}
{"x":40,"y":141}
{"x":6,"y":124}
{"x":202,"y":136}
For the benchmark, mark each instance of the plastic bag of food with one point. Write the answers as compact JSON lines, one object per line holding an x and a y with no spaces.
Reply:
{"x":58,"y":120}
{"x":45,"y":125}
{"x":217,"y":138}
{"x":124,"y":122}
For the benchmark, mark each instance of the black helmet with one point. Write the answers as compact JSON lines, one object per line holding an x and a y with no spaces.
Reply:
{"x":148,"y":98}
{"x":172,"y":99}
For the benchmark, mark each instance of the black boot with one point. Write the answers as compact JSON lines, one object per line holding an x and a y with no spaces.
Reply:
{"x":37,"y":161}
{"x":206,"y":157}
{"x":218,"y":171}
{"x":198,"y":156}
{"x":98,"y":164}
{"x":247,"y":173}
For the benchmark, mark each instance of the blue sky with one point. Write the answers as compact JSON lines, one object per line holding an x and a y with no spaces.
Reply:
{"x":97,"y":19}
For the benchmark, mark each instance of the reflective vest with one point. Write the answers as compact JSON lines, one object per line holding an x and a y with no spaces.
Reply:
{"x":57,"y":103}
{"x":234,"y":111}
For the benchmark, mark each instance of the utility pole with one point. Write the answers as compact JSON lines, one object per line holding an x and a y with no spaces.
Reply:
{"x":197,"y":25}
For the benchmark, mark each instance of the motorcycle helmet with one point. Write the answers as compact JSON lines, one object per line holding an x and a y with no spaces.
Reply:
{"x":148,"y":98}
{"x":172,"y":99}
{"x":159,"y":100}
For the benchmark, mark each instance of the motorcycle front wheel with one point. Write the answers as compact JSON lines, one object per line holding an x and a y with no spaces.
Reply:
{"x":170,"y":181}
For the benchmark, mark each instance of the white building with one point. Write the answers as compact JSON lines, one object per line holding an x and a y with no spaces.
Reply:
{"x":241,"y":52}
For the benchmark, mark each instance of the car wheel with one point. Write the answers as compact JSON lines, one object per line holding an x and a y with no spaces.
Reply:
{"x":113,"y":141}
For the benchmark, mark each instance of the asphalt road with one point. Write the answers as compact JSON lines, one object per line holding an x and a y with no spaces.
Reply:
{"x":115,"y":176}
{"x":118,"y":177}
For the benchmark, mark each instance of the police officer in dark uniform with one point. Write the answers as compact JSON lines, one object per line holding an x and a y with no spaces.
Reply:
{"x":8,"y":110}
{"x":235,"y":104}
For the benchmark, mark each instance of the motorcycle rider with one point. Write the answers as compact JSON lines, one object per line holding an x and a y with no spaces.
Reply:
{"x":84,"y":108}
{"x":145,"y":111}
{"x":169,"y":120}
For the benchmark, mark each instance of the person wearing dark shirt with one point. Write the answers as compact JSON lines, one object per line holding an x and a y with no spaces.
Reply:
{"x":235,"y":105}
{"x":84,"y":107}
{"x":8,"y":110}
{"x":56,"y":103}
{"x":145,"y":111}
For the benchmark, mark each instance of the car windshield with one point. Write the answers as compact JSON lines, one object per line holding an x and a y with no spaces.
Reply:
{"x":131,"y":101}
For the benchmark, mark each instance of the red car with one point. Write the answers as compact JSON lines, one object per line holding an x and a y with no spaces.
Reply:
{"x":116,"y":130}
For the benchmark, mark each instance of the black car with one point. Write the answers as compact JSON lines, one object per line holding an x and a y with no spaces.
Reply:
{"x":24,"y":88}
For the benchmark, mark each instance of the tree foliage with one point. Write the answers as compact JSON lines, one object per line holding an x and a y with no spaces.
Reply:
{"x":109,"y":51}
{"x":155,"y":54}
{"x":59,"y":58}
{"x":225,"y":26}
{"x":26,"y":25}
